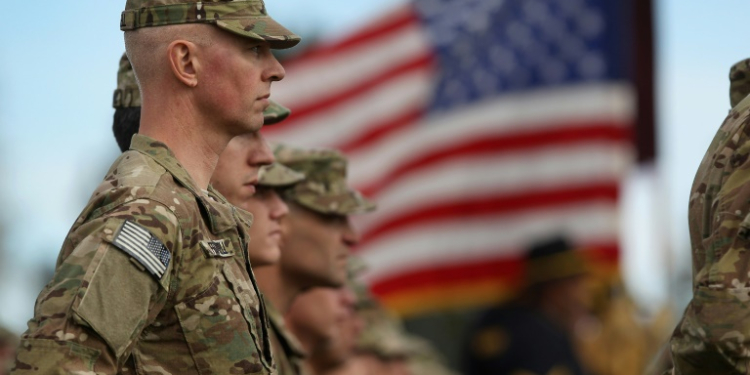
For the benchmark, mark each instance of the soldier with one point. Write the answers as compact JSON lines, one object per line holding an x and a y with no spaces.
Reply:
{"x":712,"y":336}
{"x":154,"y":276}
{"x":316,"y":246}
{"x":243,"y":165}
{"x":533,"y":334}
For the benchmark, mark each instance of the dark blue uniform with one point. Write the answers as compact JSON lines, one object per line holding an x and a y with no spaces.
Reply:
{"x":516,"y":339}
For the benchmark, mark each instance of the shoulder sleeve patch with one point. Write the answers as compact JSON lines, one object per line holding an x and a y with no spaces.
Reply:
{"x":143,"y":247}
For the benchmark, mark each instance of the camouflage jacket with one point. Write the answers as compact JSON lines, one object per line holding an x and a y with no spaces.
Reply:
{"x":287,"y":351}
{"x":714,"y":334}
{"x":191,"y":307}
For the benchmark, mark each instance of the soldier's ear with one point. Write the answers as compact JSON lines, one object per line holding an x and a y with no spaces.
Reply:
{"x":183,"y":62}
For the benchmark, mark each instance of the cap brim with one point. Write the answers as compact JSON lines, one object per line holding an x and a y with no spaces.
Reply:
{"x":349,"y":203}
{"x":278,"y":175}
{"x":262,"y":28}
{"x":275,"y":113}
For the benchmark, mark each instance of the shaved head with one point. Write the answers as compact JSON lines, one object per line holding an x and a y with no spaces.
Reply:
{"x":147,"y":47}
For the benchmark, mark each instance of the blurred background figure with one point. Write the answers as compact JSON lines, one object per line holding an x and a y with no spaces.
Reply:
{"x":323,"y":320}
{"x":534,"y":333}
{"x":617,"y":339}
{"x":8,"y":344}
{"x":384,"y":346}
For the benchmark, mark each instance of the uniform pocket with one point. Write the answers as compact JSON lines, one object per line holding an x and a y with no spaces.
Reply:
{"x":219,"y":336}
{"x":253,"y":308}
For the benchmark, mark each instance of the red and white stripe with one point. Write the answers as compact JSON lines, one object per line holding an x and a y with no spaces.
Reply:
{"x":469,"y":186}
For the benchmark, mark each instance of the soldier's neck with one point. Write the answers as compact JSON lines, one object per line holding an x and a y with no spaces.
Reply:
{"x":196,"y":145}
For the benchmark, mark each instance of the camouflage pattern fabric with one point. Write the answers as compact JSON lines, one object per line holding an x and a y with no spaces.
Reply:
{"x":287,"y":350}
{"x":128,"y":95}
{"x":324,"y":189}
{"x":278,"y":175}
{"x":714,"y":334}
{"x":247,"y":18}
{"x":107,"y":311}
{"x":739,"y":81}
{"x":275,"y":113}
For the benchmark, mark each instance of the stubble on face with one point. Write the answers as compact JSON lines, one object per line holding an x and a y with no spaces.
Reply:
{"x":313,"y":251}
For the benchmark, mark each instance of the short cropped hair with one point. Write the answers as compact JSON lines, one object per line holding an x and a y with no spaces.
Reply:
{"x":126,"y":123}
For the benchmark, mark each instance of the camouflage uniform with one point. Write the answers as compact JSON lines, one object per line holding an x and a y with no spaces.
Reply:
{"x":287,"y":350}
{"x":110,"y":307}
{"x":714,"y":334}
{"x":153,"y":277}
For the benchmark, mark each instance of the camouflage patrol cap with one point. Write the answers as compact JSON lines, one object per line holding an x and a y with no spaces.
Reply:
{"x":128,"y":95}
{"x":278,"y":175}
{"x":247,"y":18}
{"x":275,"y":113}
{"x":739,"y":82}
{"x":324,"y":189}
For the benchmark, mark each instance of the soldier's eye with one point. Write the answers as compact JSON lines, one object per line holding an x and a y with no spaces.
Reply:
{"x":255,"y":50}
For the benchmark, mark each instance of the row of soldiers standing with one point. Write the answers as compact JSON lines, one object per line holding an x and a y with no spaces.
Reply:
{"x":203,"y":250}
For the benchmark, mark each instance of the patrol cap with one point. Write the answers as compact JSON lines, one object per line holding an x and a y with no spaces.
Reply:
{"x":324,"y":189}
{"x":127,"y":95}
{"x":553,"y":259}
{"x":739,"y":82}
{"x":247,"y":18}
{"x":275,"y":113}
{"x":277,"y":175}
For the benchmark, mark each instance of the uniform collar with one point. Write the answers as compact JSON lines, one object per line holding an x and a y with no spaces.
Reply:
{"x":219,"y":211}
{"x":286,"y":338}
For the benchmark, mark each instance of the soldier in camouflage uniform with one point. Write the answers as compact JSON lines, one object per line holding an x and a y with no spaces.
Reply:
{"x":242,"y":166}
{"x":153,"y":276}
{"x":317,"y":244}
{"x":713,"y":336}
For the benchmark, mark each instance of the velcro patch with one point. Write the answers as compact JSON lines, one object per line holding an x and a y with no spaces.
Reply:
{"x":143,"y":247}
{"x":214,"y":249}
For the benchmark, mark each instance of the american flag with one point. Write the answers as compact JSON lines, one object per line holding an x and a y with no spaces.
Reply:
{"x":478,"y":126}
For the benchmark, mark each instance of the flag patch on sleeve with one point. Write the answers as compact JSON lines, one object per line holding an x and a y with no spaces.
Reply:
{"x":143,"y":247}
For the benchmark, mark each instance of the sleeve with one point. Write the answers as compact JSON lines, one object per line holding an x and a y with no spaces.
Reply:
{"x":111,"y":285}
{"x":714,"y":334}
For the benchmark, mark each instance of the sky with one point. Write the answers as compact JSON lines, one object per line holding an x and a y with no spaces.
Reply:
{"x":57,"y":75}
